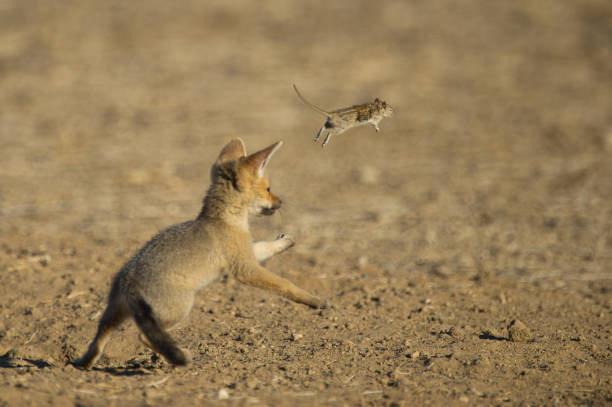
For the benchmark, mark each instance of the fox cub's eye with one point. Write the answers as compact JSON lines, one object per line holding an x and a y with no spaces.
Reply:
{"x":268,"y":189}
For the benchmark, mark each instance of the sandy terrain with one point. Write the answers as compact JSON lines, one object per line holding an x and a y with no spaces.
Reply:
{"x":486,"y":199}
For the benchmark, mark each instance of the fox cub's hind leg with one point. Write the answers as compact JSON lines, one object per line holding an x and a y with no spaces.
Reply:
{"x":264,"y":250}
{"x":113,"y":316}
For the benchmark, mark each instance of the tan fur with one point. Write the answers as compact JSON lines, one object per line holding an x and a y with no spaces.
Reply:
{"x":340,"y":120}
{"x":158,"y":285}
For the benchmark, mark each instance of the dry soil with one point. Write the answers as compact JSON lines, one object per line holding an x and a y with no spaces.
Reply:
{"x":486,"y":199}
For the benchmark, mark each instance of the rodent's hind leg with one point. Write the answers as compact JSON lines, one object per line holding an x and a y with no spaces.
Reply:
{"x":327,"y":138}
{"x":319,"y":134}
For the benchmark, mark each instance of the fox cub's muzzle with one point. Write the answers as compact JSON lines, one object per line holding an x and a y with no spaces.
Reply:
{"x":275,"y":203}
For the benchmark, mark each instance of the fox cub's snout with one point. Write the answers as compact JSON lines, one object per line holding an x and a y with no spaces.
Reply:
{"x":267,"y":203}
{"x":264,"y":201}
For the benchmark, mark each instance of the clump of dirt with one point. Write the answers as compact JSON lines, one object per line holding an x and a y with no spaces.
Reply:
{"x":518,"y":331}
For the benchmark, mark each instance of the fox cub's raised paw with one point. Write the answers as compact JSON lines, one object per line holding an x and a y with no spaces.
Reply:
{"x":287,"y":238}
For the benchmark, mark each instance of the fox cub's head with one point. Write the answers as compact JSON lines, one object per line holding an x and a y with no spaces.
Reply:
{"x":245,"y":176}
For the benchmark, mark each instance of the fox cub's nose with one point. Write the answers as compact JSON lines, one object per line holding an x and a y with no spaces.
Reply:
{"x":276,"y":202}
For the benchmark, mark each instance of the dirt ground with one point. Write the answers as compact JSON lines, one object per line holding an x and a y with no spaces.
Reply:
{"x":487,"y":198}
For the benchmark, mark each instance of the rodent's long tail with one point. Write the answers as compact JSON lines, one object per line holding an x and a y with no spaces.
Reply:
{"x":307,"y":103}
{"x":160,"y":340}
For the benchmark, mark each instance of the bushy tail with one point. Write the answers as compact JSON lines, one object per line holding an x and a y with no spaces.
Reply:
{"x":160,"y":340}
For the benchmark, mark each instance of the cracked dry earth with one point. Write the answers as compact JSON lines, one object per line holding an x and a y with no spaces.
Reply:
{"x":466,"y":247}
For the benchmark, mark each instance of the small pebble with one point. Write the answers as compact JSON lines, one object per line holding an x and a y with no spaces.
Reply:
{"x":223,"y":394}
{"x":518,"y":331}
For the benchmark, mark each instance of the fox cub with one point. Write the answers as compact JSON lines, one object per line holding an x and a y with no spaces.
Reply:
{"x":157,"y":286}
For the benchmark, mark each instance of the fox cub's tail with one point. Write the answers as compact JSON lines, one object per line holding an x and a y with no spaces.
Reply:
{"x":160,"y":340}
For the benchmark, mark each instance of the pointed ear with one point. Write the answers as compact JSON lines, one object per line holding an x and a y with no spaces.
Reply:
{"x":232,"y":151}
{"x":259,"y":160}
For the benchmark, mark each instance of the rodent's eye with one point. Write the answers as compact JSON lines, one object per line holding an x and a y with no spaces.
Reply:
{"x":268,"y":189}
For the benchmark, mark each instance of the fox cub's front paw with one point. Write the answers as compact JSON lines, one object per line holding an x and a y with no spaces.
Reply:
{"x":319,"y":303}
{"x":287,"y":239}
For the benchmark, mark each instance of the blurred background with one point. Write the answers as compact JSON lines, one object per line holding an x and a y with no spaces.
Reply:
{"x":485,"y":198}
{"x":112,"y":112}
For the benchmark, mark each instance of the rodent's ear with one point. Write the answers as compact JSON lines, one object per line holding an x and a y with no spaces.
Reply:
{"x":232,"y":151}
{"x":259,"y":160}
